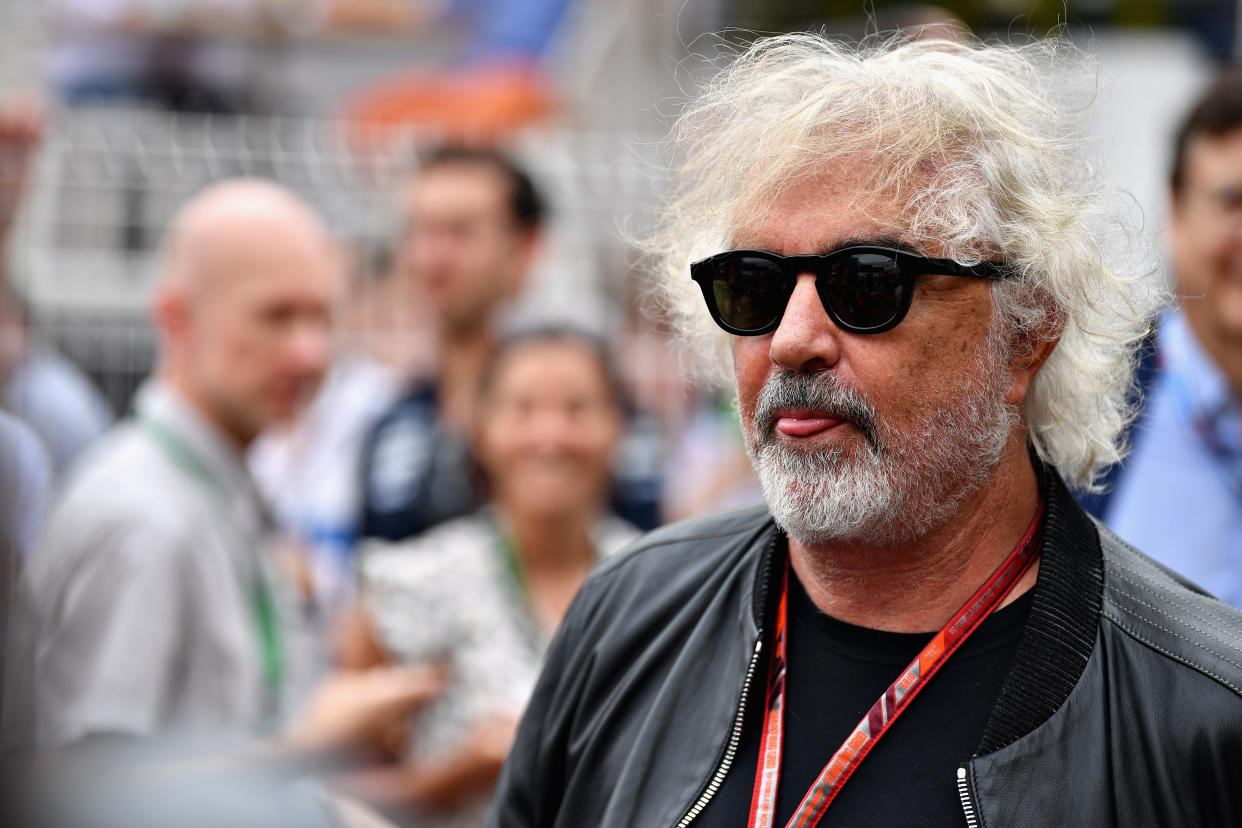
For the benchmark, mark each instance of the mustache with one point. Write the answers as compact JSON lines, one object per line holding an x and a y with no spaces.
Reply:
{"x":821,"y":392}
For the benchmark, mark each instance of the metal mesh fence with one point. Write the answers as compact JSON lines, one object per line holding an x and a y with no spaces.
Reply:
{"x":107,"y":181}
{"x":23,"y":32}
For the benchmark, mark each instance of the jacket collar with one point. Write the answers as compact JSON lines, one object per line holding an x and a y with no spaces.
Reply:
{"x":1060,"y":628}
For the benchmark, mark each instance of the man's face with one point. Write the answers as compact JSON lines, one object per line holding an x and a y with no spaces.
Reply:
{"x":872,"y":438}
{"x":260,"y":337}
{"x":464,"y":249}
{"x":1206,"y":238}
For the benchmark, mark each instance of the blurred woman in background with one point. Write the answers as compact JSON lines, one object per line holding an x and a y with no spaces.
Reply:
{"x":482,"y":595}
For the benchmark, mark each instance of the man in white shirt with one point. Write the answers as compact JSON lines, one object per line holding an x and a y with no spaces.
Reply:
{"x":157,"y":606}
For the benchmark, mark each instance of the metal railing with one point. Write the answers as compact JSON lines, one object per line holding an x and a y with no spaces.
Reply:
{"x":85,"y":249}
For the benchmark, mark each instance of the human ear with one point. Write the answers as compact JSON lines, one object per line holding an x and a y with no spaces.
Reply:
{"x":1031,"y":349}
{"x":527,"y":247}
{"x":171,"y":312}
{"x":1025,"y":364}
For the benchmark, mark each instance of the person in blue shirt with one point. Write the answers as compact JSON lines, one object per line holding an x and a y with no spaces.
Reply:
{"x":1179,"y":496}
{"x":473,"y":224}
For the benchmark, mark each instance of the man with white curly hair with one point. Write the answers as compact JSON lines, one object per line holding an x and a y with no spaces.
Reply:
{"x":930,"y":318}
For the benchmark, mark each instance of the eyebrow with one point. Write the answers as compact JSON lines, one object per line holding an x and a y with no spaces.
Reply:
{"x":1228,"y":194}
{"x":870,"y":241}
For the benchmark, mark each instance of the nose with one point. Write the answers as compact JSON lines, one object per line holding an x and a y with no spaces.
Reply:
{"x":806,"y":340}
{"x":310,"y":347}
{"x":430,"y":244}
{"x":1233,"y":224}
{"x":551,"y":428}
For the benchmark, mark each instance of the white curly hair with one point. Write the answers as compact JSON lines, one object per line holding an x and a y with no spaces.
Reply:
{"x":972,"y":138}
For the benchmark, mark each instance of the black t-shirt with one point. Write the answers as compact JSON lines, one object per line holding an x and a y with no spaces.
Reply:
{"x":835,"y":673}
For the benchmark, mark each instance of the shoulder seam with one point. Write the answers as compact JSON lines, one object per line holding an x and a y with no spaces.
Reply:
{"x":1147,"y":586}
{"x":1190,"y":613}
{"x":645,"y":545}
{"x":1180,"y":659}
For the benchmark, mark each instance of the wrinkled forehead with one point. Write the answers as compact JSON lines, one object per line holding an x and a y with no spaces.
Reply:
{"x":571,"y":365}
{"x":817,"y":209}
{"x":1214,"y":162}
{"x":457,"y":187}
{"x":281,"y":267}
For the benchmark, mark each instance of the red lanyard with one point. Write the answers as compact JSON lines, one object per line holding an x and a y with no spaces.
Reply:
{"x":886,"y":709}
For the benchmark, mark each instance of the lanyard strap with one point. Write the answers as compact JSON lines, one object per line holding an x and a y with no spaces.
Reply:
{"x":1218,"y":428}
{"x":262,"y":602}
{"x":510,"y":562}
{"x":886,"y":709}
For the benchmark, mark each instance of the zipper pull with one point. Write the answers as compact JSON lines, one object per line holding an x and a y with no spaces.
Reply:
{"x":963,"y":791}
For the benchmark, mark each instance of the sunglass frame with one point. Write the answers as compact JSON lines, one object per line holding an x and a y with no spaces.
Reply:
{"x":910,"y":266}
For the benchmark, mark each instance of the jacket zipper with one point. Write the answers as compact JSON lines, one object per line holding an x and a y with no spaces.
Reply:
{"x":730,"y":753}
{"x":968,"y":807}
{"x":735,"y":738}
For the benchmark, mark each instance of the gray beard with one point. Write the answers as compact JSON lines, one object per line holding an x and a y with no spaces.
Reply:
{"x":896,"y":487}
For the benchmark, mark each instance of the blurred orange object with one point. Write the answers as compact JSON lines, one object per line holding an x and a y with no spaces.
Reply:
{"x":371,"y":15}
{"x":478,"y":104}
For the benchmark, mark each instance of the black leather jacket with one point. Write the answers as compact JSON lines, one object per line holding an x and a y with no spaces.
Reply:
{"x":1123,"y":705}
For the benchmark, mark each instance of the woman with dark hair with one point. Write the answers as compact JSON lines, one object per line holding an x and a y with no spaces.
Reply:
{"x":483,"y":594}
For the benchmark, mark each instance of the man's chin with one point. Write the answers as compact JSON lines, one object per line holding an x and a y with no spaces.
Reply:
{"x":819,"y":533}
{"x":286,"y":408}
{"x":799,"y":462}
{"x":837,"y":502}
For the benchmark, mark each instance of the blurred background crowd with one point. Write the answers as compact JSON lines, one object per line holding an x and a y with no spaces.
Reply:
{"x":455,"y":396}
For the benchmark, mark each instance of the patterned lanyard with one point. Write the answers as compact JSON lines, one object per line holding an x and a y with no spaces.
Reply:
{"x":1212,"y":427}
{"x":886,"y":709}
{"x":1214,"y":415}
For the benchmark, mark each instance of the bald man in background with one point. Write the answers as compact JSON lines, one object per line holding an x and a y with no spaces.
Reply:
{"x":157,"y":607}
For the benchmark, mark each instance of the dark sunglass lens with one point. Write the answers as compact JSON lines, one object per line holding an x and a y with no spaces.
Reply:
{"x":865,"y":290}
{"x":750,"y":291}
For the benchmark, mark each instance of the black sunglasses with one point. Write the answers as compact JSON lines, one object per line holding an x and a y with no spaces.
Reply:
{"x":865,"y":290}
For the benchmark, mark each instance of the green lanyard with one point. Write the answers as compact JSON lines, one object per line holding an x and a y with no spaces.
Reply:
{"x":511,"y":562}
{"x":519,"y":584}
{"x":263,"y":605}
